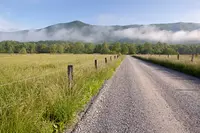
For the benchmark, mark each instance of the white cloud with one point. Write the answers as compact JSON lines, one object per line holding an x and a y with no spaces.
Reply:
{"x":100,"y":34}
{"x":150,"y":33}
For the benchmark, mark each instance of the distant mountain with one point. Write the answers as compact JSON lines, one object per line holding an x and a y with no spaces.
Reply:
{"x":168,"y":26}
{"x":60,"y":26}
{"x":178,"y":26}
{"x":79,"y":31}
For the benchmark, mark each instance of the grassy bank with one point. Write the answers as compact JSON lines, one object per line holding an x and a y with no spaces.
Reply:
{"x":183,"y":65}
{"x":45,"y":103}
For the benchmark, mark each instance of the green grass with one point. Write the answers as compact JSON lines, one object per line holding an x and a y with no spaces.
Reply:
{"x":45,"y":103}
{"x":183,"y":65}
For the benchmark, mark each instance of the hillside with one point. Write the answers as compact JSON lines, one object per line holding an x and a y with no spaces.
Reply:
{"x":79,"y":31}
{"x":168,"y":26}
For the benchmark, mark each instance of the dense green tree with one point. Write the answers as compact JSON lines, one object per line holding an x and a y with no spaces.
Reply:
{"x":66,"y":48}
{"x":53,"y":49}
{"x":60,"y":49}
{"x":89,"y":48}
{"x":169,"y":51}
{"x":183,"y":49}
{"x":147,"y":48}
{"x":116,"y":47}
{"x":78,"y":48}
{"x":9,"y":47}
{"x":2,"y":49}
{"x":105,"y":48}
{"x":193,"y":49}
{"x":10,"y":50}
{"x":132,"y":49}
{"x":97,"y":48}
{"x":43,"y":48}
{"x":158,"y":48}
{"x":23,"y":51}
{"x":32,"y":48}
{"x":198,"y":49}
{"x":124,"y":49}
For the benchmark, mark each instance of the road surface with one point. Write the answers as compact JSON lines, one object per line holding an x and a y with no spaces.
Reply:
{"x":145,"y":98}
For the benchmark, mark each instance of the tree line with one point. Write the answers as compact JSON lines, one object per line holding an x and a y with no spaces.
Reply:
{"x":89,"y":48}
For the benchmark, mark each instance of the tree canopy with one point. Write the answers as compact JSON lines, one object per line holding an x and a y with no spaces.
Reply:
{"x":89,"y":48}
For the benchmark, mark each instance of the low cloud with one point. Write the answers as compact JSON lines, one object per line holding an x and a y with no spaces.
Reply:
{"x":151,"y":33}
{"x":105,"y":33}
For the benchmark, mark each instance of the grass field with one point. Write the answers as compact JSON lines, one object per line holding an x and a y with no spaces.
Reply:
{"x":184,"y":64}
{"x":34,"y":93}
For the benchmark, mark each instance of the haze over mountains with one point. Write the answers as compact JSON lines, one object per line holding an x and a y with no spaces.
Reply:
{"x":79,"y":31}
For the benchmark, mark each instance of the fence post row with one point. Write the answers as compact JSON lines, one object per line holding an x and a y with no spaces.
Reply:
{"x":106,"y":60}
{"x":95,"y":64}
{"x":70,"y":75}
{"x":192,"y":59}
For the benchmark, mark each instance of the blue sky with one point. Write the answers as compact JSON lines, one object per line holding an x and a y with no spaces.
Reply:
{"x":26,"y":14}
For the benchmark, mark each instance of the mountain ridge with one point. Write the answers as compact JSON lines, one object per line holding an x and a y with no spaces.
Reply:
{"x":81,"y":24}
{"x":80,"y":31}
{"x":186,"y":26}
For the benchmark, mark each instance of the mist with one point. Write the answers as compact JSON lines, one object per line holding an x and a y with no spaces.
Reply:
{"x":151,"y":33}
{"x":104,"y":33}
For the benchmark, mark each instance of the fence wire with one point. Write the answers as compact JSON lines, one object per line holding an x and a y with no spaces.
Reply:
{"x":101,"y":64}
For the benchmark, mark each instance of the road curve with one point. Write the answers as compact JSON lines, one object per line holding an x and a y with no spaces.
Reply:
{"x":145,"y":98}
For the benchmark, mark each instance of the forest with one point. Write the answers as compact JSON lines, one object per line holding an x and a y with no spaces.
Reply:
{"x":89,"y":48}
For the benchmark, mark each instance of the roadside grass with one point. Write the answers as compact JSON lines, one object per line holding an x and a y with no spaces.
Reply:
{"x":46,"y":104}
{"x":183,"y":65}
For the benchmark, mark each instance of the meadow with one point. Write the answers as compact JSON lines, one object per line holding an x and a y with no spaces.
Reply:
{"x":183,"y":64}
{"x":34,"y":92}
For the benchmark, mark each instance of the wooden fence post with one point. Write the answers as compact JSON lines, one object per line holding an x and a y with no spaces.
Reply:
{"x":111,"y":58}
{"x":168,"y":55}
{"x":106,"y":61}
{"x":192,"y":59}
{"x":178,"y":56}
{"x":95,"y":64}
{"x":70,"y":75}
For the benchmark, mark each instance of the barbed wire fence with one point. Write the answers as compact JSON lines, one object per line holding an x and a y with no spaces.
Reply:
{"x":70,"y":71}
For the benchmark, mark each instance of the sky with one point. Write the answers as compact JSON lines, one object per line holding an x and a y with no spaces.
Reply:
{"x":32,"y":14}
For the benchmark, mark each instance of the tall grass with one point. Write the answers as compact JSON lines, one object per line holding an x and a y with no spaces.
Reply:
{"x":183,"y":65}
{"x":45,"y":103}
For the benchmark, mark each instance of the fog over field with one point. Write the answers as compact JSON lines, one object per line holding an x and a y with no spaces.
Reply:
{"x":105,"y":33}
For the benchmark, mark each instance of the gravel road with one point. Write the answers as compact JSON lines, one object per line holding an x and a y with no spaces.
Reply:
{"x":145,"y":98}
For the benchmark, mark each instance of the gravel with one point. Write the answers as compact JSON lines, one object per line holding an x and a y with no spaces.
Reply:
{"x":143,"y":97}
